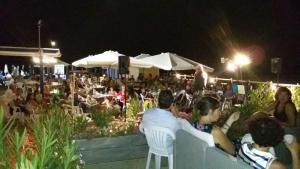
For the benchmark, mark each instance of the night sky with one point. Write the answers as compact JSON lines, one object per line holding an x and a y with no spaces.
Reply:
{"x":202,"y":30}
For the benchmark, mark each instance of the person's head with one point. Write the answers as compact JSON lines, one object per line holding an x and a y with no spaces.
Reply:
{"x":255,"y":116}
{"x":228,"y":87}
{"x":199,"y":68}
{"x":210,"y":107}
{"x":266,"y":132}
{"x":283,"y":95}
{"x":29,"y":97}
{"x":19,"y":91}
{"x":165,"y":99}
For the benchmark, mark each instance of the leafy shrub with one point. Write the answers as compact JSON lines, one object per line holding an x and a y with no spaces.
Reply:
{"x":260,"y":97}
{"x":47,"y":143}
{"x":80,"y":123}
{"x":101,"y":118}
{"x":133,"y":108}
{"x":296,"y":96}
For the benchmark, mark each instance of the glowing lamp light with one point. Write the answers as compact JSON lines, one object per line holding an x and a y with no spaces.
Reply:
{"x":53,"y":43}
{"x":212,"y":80}
{"x":231,"y":67}
{"x":178,"y":76}
{"x":241,"y":59}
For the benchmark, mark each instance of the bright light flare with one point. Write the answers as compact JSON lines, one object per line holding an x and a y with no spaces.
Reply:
{"x":178,"y":76}
{"x":53,"y":43}
{"x":241,"y":59}
{"x":231,"y":67}
{"x":212,"y":80}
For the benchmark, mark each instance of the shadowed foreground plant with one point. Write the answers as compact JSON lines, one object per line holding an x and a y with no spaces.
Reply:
{"x":53,"y":134}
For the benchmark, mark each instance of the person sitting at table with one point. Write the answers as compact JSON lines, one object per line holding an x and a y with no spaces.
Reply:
{"x":209,"y":109}
{"x":31,"y":105}
{"x":121,"y":97}
{"x":5,"y":100}
{"x":266,"y":133}
{"x":284,"y":110}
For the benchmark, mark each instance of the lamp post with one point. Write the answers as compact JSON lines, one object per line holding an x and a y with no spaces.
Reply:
{"x":39,"y":24}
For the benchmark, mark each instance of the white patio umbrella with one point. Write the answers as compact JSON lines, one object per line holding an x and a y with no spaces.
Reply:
{"x":171,"y":61}
{"x":106,"y":59}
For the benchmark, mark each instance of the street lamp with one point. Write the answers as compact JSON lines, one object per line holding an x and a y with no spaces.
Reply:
{"x":241,"y":60}
{"x":52,"y":43}
{"x":39,"y":24}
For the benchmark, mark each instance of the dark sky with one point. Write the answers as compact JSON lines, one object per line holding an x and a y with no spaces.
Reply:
{"x":203,"y":30}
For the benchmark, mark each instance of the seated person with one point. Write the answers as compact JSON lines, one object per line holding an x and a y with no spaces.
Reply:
{"x":31,"y":105}
{"x":267,"y":133}
{"x":209,"y":109}
{"x":164,"y":115}
{"x":283,"y":109}
{"x":5,"y":101}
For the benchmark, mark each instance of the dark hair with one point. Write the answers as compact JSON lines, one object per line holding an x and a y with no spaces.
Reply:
{"x":283,"y":89}
{"x":207,"y":103}
{"x":165,"y":99}
{"x":266,"y":132}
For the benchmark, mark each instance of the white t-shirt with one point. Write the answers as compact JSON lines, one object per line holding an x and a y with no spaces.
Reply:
{"x":161,"y":118}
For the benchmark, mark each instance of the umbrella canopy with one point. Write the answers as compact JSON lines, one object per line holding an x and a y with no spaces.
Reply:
{"x":104,"y":59}
{"x":171,"y":61}
{"x":108,"y":58}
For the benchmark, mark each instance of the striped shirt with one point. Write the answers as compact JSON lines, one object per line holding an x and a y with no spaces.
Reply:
{"x":256,"y":158}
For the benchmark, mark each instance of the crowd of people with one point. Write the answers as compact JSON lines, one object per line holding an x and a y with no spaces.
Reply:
{"x":264,"y":129}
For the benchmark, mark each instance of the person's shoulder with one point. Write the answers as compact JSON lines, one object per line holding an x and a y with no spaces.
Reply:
{"x":290,"y":105}
{"x":277,"y":165}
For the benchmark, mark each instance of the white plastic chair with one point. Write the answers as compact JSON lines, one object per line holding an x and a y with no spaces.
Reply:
{"x":158,"y":139}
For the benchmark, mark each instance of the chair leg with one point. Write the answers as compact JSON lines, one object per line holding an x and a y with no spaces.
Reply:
{"x":170,"y":161}
{"x":157,"y":161}
{"x":148,"y":160}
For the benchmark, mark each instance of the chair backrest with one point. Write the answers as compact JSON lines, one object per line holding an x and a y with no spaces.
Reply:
{"x":189,"y":151}
{"x":216,"y":158}
{"x":159,"y":140}
{"x":186,"y":126}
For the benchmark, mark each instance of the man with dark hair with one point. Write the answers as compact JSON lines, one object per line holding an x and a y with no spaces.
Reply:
{"x":164,"y":115}
{"x":266,"y":133}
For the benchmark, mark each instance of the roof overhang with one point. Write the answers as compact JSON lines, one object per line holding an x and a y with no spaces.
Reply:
{"x":28,"y":52}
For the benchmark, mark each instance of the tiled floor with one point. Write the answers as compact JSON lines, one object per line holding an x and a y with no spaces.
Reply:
{"x":128,"y":164}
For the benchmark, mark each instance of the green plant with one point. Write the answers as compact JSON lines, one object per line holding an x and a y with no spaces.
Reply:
{"x":296,"y":96}
{"x":5,"y":148}
{"x":133,"y":109}
{"x":80,"y":123}
{"x":52,"y":134}
{"x":261,"y":97}
{"x":101,"y":118}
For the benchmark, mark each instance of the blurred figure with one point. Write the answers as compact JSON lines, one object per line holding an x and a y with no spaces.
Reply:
{"x":267,"y":133}
{"x":200,"y":80}
{"x":283,"y":109}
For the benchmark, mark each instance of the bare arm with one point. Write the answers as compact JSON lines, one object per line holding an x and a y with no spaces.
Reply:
{"x":223,"y":140}
{"x":294,"y":148}
{"x":277,"y":165}
{"x":290,"y":112}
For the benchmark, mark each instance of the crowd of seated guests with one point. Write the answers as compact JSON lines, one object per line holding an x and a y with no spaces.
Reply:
{"x":264,"y":130}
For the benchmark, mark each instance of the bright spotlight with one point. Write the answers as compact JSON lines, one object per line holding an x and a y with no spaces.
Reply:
{"x":178,"y":76}
{"x":53,"y":43}
{"x":241,"y":59}
{"x":231,"y":67}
